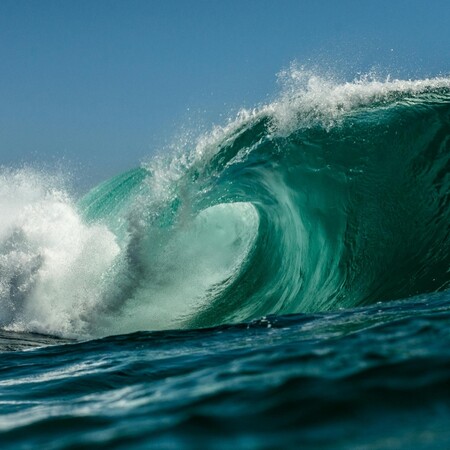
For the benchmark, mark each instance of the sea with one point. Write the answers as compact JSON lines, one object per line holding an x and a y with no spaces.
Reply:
{"x":280,"y":281}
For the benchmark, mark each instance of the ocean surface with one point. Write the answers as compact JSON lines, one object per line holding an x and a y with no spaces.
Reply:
{"x":281,"y":281}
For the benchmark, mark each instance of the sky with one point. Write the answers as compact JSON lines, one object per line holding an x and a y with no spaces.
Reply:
{"x":99,"y":86}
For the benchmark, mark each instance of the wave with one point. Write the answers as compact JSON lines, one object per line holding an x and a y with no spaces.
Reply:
{"x":333,"y":196}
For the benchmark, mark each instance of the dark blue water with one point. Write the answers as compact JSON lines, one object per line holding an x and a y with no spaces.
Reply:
{"x":375,"y":377}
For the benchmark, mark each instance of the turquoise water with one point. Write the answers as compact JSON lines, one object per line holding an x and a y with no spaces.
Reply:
{"x":279,"y":281}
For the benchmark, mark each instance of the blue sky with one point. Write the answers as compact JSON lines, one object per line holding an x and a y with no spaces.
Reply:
{"x":100,"y":85}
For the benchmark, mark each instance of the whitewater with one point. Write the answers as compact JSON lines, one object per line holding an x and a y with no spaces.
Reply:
{"x":289,"y":268}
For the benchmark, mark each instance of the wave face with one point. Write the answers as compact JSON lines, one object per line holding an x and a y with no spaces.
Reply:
{"x":333,"y":196}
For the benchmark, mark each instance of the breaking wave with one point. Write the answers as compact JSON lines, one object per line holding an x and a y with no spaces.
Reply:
{"x":332,"y":196}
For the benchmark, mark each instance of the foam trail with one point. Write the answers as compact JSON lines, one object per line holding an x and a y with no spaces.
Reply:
{"x":51,"y":264}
